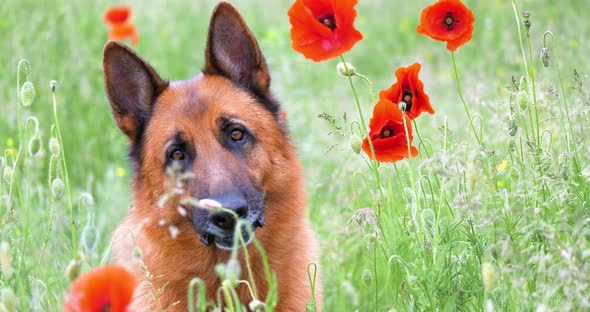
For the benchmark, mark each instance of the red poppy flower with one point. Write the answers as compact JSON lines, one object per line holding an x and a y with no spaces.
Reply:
{"x":117,"y":14}
{"x":323,"y":29}
{"x":105,"y":288}
{"x":447,"y":20}
{"x":387,"y":132}
{"x":124,"y":31}
{"x":409,"y":89}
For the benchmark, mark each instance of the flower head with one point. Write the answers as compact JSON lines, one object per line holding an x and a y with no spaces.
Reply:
{"x":117,"y":14}
{"x":121,"y":28}
{"x":105,"y":288}
{"x":447,"y":20}
{"x":387,"y":132}
{"x":323,"y":29}
{"x":409,"y":90}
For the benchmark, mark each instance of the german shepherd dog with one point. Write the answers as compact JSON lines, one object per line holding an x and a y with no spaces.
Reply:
{"x":225,"y":129}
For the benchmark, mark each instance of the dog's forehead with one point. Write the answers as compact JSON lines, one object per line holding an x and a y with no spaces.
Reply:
{"x":202,"y":101}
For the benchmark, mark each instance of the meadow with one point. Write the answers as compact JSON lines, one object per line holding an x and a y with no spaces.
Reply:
{"x":497,"y":225}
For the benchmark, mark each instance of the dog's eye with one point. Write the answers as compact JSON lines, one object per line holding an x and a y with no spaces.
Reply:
{"x":237,"y":135}
{"x":177,"y":154}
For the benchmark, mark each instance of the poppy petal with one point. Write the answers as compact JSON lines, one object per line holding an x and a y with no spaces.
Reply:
{"x":117,"y":14}
{"x":318,"y":41}
{"x":449,"y":21}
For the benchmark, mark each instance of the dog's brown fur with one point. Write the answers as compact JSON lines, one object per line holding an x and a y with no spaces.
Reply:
{"x":235,"y":82}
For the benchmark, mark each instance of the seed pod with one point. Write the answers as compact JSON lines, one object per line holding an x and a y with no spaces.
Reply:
{"x":355,"y":144}
{"x":8,"y":173}
{"x":367,"y":278}
{"x":347,"y":70}
{"x":310,"y":307}
{"x":489,"y":277}
{"x":27,"y":94}
{"x":256,"y":305}
{"x":545,"y":57}
{"x":34,"y":146}
{"x":522,"y":99}
{"x":89,"y":237}
{"x":57,"y":188}
{"x":512,"y":125}
{"x":54,"y":147}
{"x":73,"y":269}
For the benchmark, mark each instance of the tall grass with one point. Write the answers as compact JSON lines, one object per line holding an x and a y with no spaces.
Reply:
{"x":501,"y":224}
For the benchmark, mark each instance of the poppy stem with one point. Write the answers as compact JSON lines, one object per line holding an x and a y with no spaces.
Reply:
{"x":463,"y":99}
{"x":364,"y":132}
{"x":412,"y":181}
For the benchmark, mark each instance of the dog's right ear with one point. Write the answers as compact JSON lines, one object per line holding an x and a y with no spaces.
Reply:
{"x":132,"y":86}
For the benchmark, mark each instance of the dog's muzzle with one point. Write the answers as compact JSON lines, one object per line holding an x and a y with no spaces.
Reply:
{"x":218,"y":225}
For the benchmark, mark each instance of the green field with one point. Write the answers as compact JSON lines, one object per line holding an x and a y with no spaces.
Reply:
{"x":501,"y":226}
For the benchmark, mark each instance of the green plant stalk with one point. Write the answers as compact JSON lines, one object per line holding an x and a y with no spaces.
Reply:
{"x":524,"y":60}
{"x":463,"y":99}
{"x":374,"y":164}
{"x":412,"y":181}
{"x":534,"y":89}
{"x":201,"y":299}
{"x":64,"y":174}
{"x":51,"y":209}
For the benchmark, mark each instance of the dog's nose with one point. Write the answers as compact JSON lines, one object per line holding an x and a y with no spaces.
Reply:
{"x":234,"y":201}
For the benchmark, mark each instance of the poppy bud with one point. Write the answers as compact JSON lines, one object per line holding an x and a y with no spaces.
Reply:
{"x":256,"y":305}
{"x":34,"y":146}
{"x":137,"y":253}
{"x":546,"y":57}
{"x":89,"y":237}
{"x":526,"y":18}
{"x":367,"y":278}
{"x":73,"y":269}
{"x":57,"y":188}
{"x":54,"y":147}
{"x":522,"y":99}
{"x":27,"y":94}
{"x":7,"y":300}
{"x":512,"y":125}
{"x":5,"y":259}
{"x":347,"y":70}
{"x":488,"y":276}
{"x":8,"y":173}
{"x":355,"y":144}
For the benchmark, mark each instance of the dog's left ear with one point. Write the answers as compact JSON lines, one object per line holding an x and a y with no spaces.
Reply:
{"x":232,"y":51}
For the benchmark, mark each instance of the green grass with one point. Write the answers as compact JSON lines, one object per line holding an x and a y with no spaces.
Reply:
{"x":527,"y":224}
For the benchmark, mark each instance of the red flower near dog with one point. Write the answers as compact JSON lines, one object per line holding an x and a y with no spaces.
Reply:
{"x":117,"y":17}
{"x":387,"y":132}
{"x":409,"y":89}
{"x":323,"y":29}
{"x":105,"y":288}
{"x":447,"y":20}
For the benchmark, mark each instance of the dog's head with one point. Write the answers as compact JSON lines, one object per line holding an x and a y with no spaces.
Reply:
{"x":216,"y":136}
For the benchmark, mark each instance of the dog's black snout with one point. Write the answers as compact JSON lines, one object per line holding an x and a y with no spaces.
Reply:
{"x":223,"y":220}
{"x":234,"y":201}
